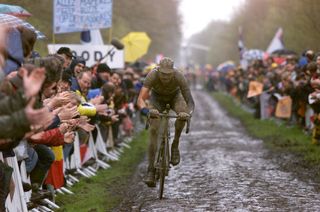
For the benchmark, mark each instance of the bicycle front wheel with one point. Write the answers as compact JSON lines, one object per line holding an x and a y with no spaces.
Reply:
{"x":163,"y":167}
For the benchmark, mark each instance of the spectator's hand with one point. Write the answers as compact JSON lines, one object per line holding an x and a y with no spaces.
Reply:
{"x":122,"y":111}
{"x":72,"y":123}
{"x":83,"y":120}
{"x":36,"y":136}
{"x":315,"y":83}
{"x":69,"y":137}
{"x":63,"y":128}
{"x":183,"y":116}
{"x":59,"y":100}
{"x":97,"y":100}
{"x":32,"y":83}
{"x":38,"y":117}
{"x":86,"y":127}
{"x":102,"y":109}
{"x":57,"y":110}
{"x":12,"y":74}
{"x":114,"y":118}
{"x":68,"y":113}
{"x":154,"y":113}
{"x":313,"y":95}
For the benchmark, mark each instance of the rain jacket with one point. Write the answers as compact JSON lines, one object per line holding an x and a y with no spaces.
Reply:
{"x":13,"y":121}
{"x":51,"y":137}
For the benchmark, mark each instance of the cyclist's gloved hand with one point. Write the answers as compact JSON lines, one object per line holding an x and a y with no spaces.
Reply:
{"x":144,"y":111}
{"x":183,"y":116}
{"x":154,"y":113}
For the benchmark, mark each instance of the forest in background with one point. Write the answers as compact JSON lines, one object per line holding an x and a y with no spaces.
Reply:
{"x":259,"y":20}
{"x":160,"y":20}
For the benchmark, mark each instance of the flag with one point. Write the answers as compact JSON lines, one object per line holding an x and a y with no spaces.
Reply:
{"x":277,"y":42}
{"x":240,"y":43}
{"x":242,"y":49}
{"x":85,"y":153}
{"x":92,"y":37}
{"x":55,"y":175}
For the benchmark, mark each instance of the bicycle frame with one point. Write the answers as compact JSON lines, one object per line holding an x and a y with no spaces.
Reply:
{"x":162,"y":156}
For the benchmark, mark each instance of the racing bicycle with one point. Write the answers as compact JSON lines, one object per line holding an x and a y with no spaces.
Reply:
{"x":162,"y":156}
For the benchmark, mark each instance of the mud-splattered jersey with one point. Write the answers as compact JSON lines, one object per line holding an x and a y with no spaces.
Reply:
{"x":177,"y":83}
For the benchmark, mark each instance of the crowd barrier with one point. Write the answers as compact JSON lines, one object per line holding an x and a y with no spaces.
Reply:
{"x":100,"y":151}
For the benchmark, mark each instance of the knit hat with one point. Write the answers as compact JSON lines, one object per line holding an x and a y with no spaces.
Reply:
{"x":75,"y":61}
{"x":103,"y":67}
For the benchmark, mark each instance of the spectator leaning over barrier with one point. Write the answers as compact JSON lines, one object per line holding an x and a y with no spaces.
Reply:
{"x":17,"y":115}
{"x":82,"y":86}
{"x":107,"y":91}
{"x":119,"y":100}
{"x":40,"y":155}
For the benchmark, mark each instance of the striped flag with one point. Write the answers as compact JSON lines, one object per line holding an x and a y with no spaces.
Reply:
{"x":277,"y":42}
{"x":55,"y":175}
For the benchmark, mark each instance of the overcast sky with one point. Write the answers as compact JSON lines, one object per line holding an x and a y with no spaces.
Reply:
{"x":196,"y":14}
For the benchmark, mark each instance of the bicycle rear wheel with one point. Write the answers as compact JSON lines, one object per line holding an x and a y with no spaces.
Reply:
{"x":163,"y":167}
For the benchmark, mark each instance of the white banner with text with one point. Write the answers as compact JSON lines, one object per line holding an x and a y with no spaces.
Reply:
{"x":93,"y":53}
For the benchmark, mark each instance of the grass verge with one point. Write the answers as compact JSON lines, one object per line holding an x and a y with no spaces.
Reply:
{"x":277,"y":136}
{"x":105,"y":191}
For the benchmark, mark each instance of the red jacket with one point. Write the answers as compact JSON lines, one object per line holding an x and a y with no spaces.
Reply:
{"x":51,"y":137}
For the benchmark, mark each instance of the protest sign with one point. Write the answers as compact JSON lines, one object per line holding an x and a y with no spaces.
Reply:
{"x":283,"y":109}
{"x":255,"y":88}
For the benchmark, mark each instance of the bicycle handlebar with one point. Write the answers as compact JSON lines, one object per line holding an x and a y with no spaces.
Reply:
{"x":169,"y":116}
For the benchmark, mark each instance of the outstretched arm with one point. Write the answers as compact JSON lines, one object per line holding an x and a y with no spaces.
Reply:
{"x":143,"y":96}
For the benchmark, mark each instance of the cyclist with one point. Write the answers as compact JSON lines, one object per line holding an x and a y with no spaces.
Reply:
{"x":167,"y":86}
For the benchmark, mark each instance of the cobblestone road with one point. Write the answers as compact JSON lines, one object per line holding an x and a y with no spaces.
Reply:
{"x":222,"y":169}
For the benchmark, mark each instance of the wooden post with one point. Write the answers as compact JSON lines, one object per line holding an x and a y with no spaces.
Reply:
{"x":53,"y":38}
{"x":110,"y":35}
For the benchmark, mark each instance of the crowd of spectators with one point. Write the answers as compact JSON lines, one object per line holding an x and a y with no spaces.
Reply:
{"x":281,"y":76}
{"x":46,"y":101}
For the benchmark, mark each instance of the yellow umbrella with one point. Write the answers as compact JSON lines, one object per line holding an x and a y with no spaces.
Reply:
{"x":136,"y":45}
{"x":148,"y":68}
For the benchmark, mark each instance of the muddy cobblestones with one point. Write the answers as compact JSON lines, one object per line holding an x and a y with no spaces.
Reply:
{"x":222,"y":169}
